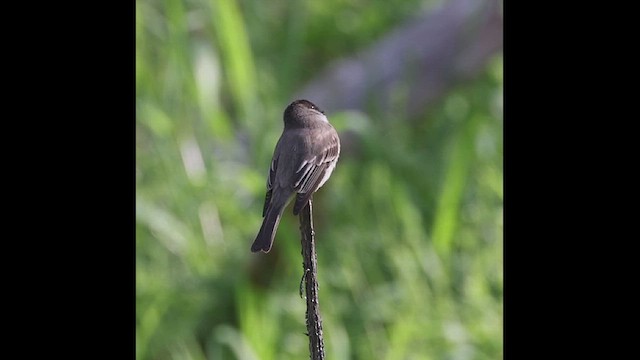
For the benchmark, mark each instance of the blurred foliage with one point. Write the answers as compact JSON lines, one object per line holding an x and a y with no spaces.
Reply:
{"x":409,"y":227}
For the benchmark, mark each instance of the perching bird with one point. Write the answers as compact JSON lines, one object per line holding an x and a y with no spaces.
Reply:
{"x":302,"y":162}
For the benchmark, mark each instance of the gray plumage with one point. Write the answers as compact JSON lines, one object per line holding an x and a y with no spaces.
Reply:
{"x":302,"y":162}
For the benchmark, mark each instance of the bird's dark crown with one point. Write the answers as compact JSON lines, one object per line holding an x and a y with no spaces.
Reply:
{"x":298,"y":105}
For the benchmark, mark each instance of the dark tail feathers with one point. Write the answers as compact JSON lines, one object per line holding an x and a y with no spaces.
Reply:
{"x":267,"y":232}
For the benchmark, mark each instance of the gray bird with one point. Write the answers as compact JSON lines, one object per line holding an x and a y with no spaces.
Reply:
{"x":303,"y":161}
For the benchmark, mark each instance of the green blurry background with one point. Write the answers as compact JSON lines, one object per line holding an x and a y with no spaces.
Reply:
{"x":409,"y":228}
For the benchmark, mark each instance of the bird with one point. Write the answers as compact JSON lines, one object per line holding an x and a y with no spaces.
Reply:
{"x":304,"y":158}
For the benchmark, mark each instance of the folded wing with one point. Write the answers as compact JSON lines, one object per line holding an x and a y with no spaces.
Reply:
{"x":314,"y":172}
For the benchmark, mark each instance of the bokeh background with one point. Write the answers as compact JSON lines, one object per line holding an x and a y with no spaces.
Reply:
{"x":409,"y":228}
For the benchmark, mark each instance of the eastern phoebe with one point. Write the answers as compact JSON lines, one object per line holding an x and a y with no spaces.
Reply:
{"x":303,"y":160}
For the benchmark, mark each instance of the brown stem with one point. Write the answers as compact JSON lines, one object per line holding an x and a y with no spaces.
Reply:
{"x":314,"y":321}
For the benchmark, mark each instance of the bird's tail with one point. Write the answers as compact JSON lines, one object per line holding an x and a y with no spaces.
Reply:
{"x":267,"y":232}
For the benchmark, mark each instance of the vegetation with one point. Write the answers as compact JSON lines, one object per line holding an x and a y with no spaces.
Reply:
{"x":409,"y":228}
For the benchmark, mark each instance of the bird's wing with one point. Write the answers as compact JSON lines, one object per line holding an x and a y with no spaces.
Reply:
{"x":270,"y":180}
{"x":313,"y":172}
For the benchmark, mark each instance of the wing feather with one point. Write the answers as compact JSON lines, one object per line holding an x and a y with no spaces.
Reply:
{"x":313,"y":173}
{"x":270,"y":180}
